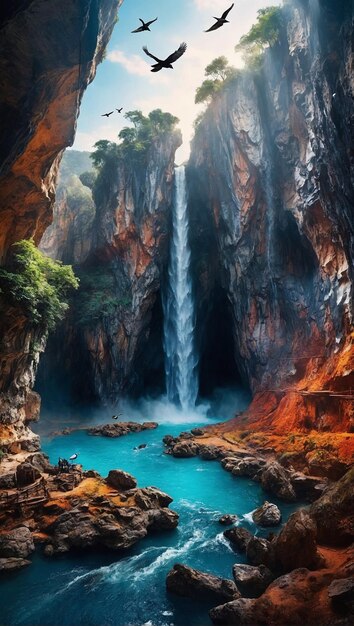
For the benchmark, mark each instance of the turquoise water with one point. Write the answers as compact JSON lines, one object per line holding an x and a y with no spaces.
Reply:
{"x":110,"y":589}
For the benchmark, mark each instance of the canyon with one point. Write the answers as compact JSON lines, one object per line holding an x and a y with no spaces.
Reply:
{"x":264,"y":242}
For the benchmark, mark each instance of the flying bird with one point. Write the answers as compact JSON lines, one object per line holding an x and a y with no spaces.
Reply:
{"x":73,"y":457}
{"x":145,"y":25}
{"x":115,"y":417}
{"x":166,"y":63}
{"x":220,"y":21}
{"x":107,"y":114}
{"x":120,"y":110}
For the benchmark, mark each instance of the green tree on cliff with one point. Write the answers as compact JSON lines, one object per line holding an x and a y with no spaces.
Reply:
{"x":263,"y":34}
{"x":218,"y":74}
{"x":38,"y":284}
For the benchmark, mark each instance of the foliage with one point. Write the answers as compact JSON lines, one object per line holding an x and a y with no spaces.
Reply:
{"x":218,"y":74}
{"x":37,"y":283}
{"x":88,"y":178}
{"x":263,"y":34}
{"x":97,"y":297}
{"x":135,"y":140}
{"x":74,"y":162}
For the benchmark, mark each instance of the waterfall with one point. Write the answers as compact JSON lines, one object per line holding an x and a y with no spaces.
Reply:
{"x":179,"y":314}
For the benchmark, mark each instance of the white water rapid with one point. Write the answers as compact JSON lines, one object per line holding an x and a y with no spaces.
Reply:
{"x":179,"y":314}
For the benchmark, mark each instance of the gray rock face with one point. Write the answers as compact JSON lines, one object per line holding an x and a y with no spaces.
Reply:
{"x":276,"y":479}
{"x":188,"y":582}
{"x":121,"y":480}
{"x":267,"y":515}
{"x":26,"y":474}
{"x":252,"y":581}
{"x":333,"y":512}
{"x":233,"y":613}
{"x":17,"y":543}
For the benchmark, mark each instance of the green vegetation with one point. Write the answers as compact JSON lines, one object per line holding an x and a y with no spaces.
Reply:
{"x":74,"y":162}
{"x":88,"y":178}
{"x":98,"y":297}
{"x":135,"y":140}
{"x":79,"y":199}
{"x":38,"y":284}
{"x":263,"y":34}
{"x":219,"y":73}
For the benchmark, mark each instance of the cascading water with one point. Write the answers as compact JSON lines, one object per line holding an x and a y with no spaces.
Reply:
{"x":179,"y":313}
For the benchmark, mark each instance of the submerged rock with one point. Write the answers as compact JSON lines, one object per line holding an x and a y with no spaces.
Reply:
{"x":227,"y":520}
{"x":188,"y":582}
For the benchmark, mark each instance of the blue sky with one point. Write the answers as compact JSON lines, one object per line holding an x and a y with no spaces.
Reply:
{"x":124,"y":77}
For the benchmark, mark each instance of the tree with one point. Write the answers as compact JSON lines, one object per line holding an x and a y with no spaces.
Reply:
{"x":104,"y":151}
{"x":38,"y":284}
{"x":218,"y":73}
{"x":265,"y":33}
{"x":88,"y":178}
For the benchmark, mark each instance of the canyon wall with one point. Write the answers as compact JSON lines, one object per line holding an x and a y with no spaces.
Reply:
{"x":111,"y":342}
{"x":271,"y":201}
{"x":49,"y":51}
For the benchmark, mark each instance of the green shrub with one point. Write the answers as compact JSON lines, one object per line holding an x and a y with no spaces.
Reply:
{"x":219,"y":73}
{"x":38,"y":284}
{"x":98,"y":297}
{"x":263,"y":34}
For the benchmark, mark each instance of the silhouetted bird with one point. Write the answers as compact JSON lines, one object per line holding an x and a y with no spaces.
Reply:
{"x":73,"y":457}
{"x":145,"y":25}
{"x":115,"y":417}
{"x":220,"y":21}
{"x":107,"y":114}
{"x":166,"y":63}
{"x":120,"y":110}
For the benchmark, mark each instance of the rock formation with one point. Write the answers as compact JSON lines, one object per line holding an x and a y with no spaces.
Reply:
{"x":43,"y":79}
{"x":271,"y":196}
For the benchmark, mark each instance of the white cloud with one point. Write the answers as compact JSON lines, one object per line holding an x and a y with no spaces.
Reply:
{"x":132,"y":63}
{"x":213,"y":5}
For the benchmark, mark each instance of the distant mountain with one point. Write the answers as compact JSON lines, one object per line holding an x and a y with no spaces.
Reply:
{"x":74,"y":162}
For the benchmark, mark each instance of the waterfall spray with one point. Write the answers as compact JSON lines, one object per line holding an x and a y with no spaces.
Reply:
{"x":179,"y":313}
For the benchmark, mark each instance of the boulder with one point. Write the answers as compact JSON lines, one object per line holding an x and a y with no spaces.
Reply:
{"x":26,"y":474}
{"x":267,"y":515}
{"x":209,"y":453}
{"x":168,"y":440}
{"x":8,"y":481}
{"x":308,"y":488}
{"x":296,"y":546}
{"x":16,"y":543}
{"x":227,"y":520}
{"x":322,"y":463}
{"x":333,"y":512}
{"x":276,"y":480}
{"x":163,"y":519}
{"x":249,"y":466}
{"x":197,"y":432}
{"x":233,"y":613}
{"x":252,"y":581}
{"x":12,"y":564}
{"x":341,"y":593}
{"x":238,"y":537}
{"x":188,"y":582}
{"x":151,"y":498}
{"x":258,"y":551}
{"x":185,"y":449}
{"x":121,"y":480}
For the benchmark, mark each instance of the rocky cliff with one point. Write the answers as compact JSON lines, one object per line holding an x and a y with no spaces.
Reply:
{"x":49,"y":51}
{"x":271,"y":197}
{"x":112,"y":341}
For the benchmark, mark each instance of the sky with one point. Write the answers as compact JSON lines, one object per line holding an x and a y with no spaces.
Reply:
{"x":124,"y":78}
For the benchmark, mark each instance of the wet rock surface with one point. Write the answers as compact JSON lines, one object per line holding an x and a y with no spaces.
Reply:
{"x":188,"y":582}
{"x":121,"y":480}
{"x":17,"y":543}
{"x":121,"y":428}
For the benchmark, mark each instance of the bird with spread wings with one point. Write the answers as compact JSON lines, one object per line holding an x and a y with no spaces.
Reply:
{"x":145,"y":25}
{"x":220,"y":21}
{"x":166,"y":63}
